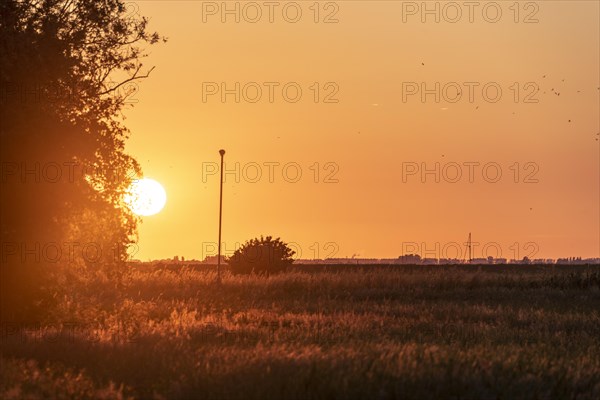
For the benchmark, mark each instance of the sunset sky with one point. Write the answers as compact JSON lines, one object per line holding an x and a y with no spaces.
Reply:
{"x":360,"y":145}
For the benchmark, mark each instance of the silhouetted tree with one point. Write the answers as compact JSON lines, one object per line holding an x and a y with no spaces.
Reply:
{"x":261,"y":256}
{"x":64,"y":168}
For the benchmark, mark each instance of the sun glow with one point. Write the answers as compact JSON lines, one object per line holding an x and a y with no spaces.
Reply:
{"x":145,"y":197}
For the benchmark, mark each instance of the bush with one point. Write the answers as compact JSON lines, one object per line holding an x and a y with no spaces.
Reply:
{"x":261,"y":256}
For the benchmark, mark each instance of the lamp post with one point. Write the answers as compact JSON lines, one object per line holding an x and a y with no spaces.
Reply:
{"x":222,"y":153}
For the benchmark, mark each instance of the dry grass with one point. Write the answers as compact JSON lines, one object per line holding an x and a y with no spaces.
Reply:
{"x":418,"y":333}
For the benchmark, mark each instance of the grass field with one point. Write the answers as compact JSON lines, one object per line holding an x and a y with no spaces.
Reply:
{"x":467,"y":332}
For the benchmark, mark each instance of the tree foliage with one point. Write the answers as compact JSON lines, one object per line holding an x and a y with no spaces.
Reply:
{"x":261,"y":256}
{"x":64,"y":71}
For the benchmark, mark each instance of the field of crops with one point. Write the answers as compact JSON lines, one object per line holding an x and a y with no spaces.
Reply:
{"x":382,"y":333}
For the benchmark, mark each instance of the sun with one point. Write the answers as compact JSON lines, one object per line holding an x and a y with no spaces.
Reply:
{"x":145,"y":197}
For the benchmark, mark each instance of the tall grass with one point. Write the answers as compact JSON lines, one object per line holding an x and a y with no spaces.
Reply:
{"x":379,"y":333}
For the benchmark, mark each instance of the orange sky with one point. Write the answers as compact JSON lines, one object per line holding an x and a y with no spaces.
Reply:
{"x":372,"y":132}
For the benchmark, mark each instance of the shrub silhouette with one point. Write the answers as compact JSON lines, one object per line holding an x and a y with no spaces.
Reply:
{"x":261,"y":256}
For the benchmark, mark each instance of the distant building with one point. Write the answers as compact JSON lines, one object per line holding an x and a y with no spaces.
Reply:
{"x":450,"y":261}
{"x":479,"y":261}
{"x":410,"y":259}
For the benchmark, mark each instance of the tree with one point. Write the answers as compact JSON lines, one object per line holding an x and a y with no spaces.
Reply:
{"x":62,"y":137}
{"x":261,"y":256}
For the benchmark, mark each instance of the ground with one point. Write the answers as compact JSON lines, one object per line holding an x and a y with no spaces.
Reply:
{"x":470,"y":332}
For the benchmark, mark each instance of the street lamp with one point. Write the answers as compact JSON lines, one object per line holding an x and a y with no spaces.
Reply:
{"x":222,"y":153}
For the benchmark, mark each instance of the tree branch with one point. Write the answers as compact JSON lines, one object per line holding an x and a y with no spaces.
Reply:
{"x":133,"y":78}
